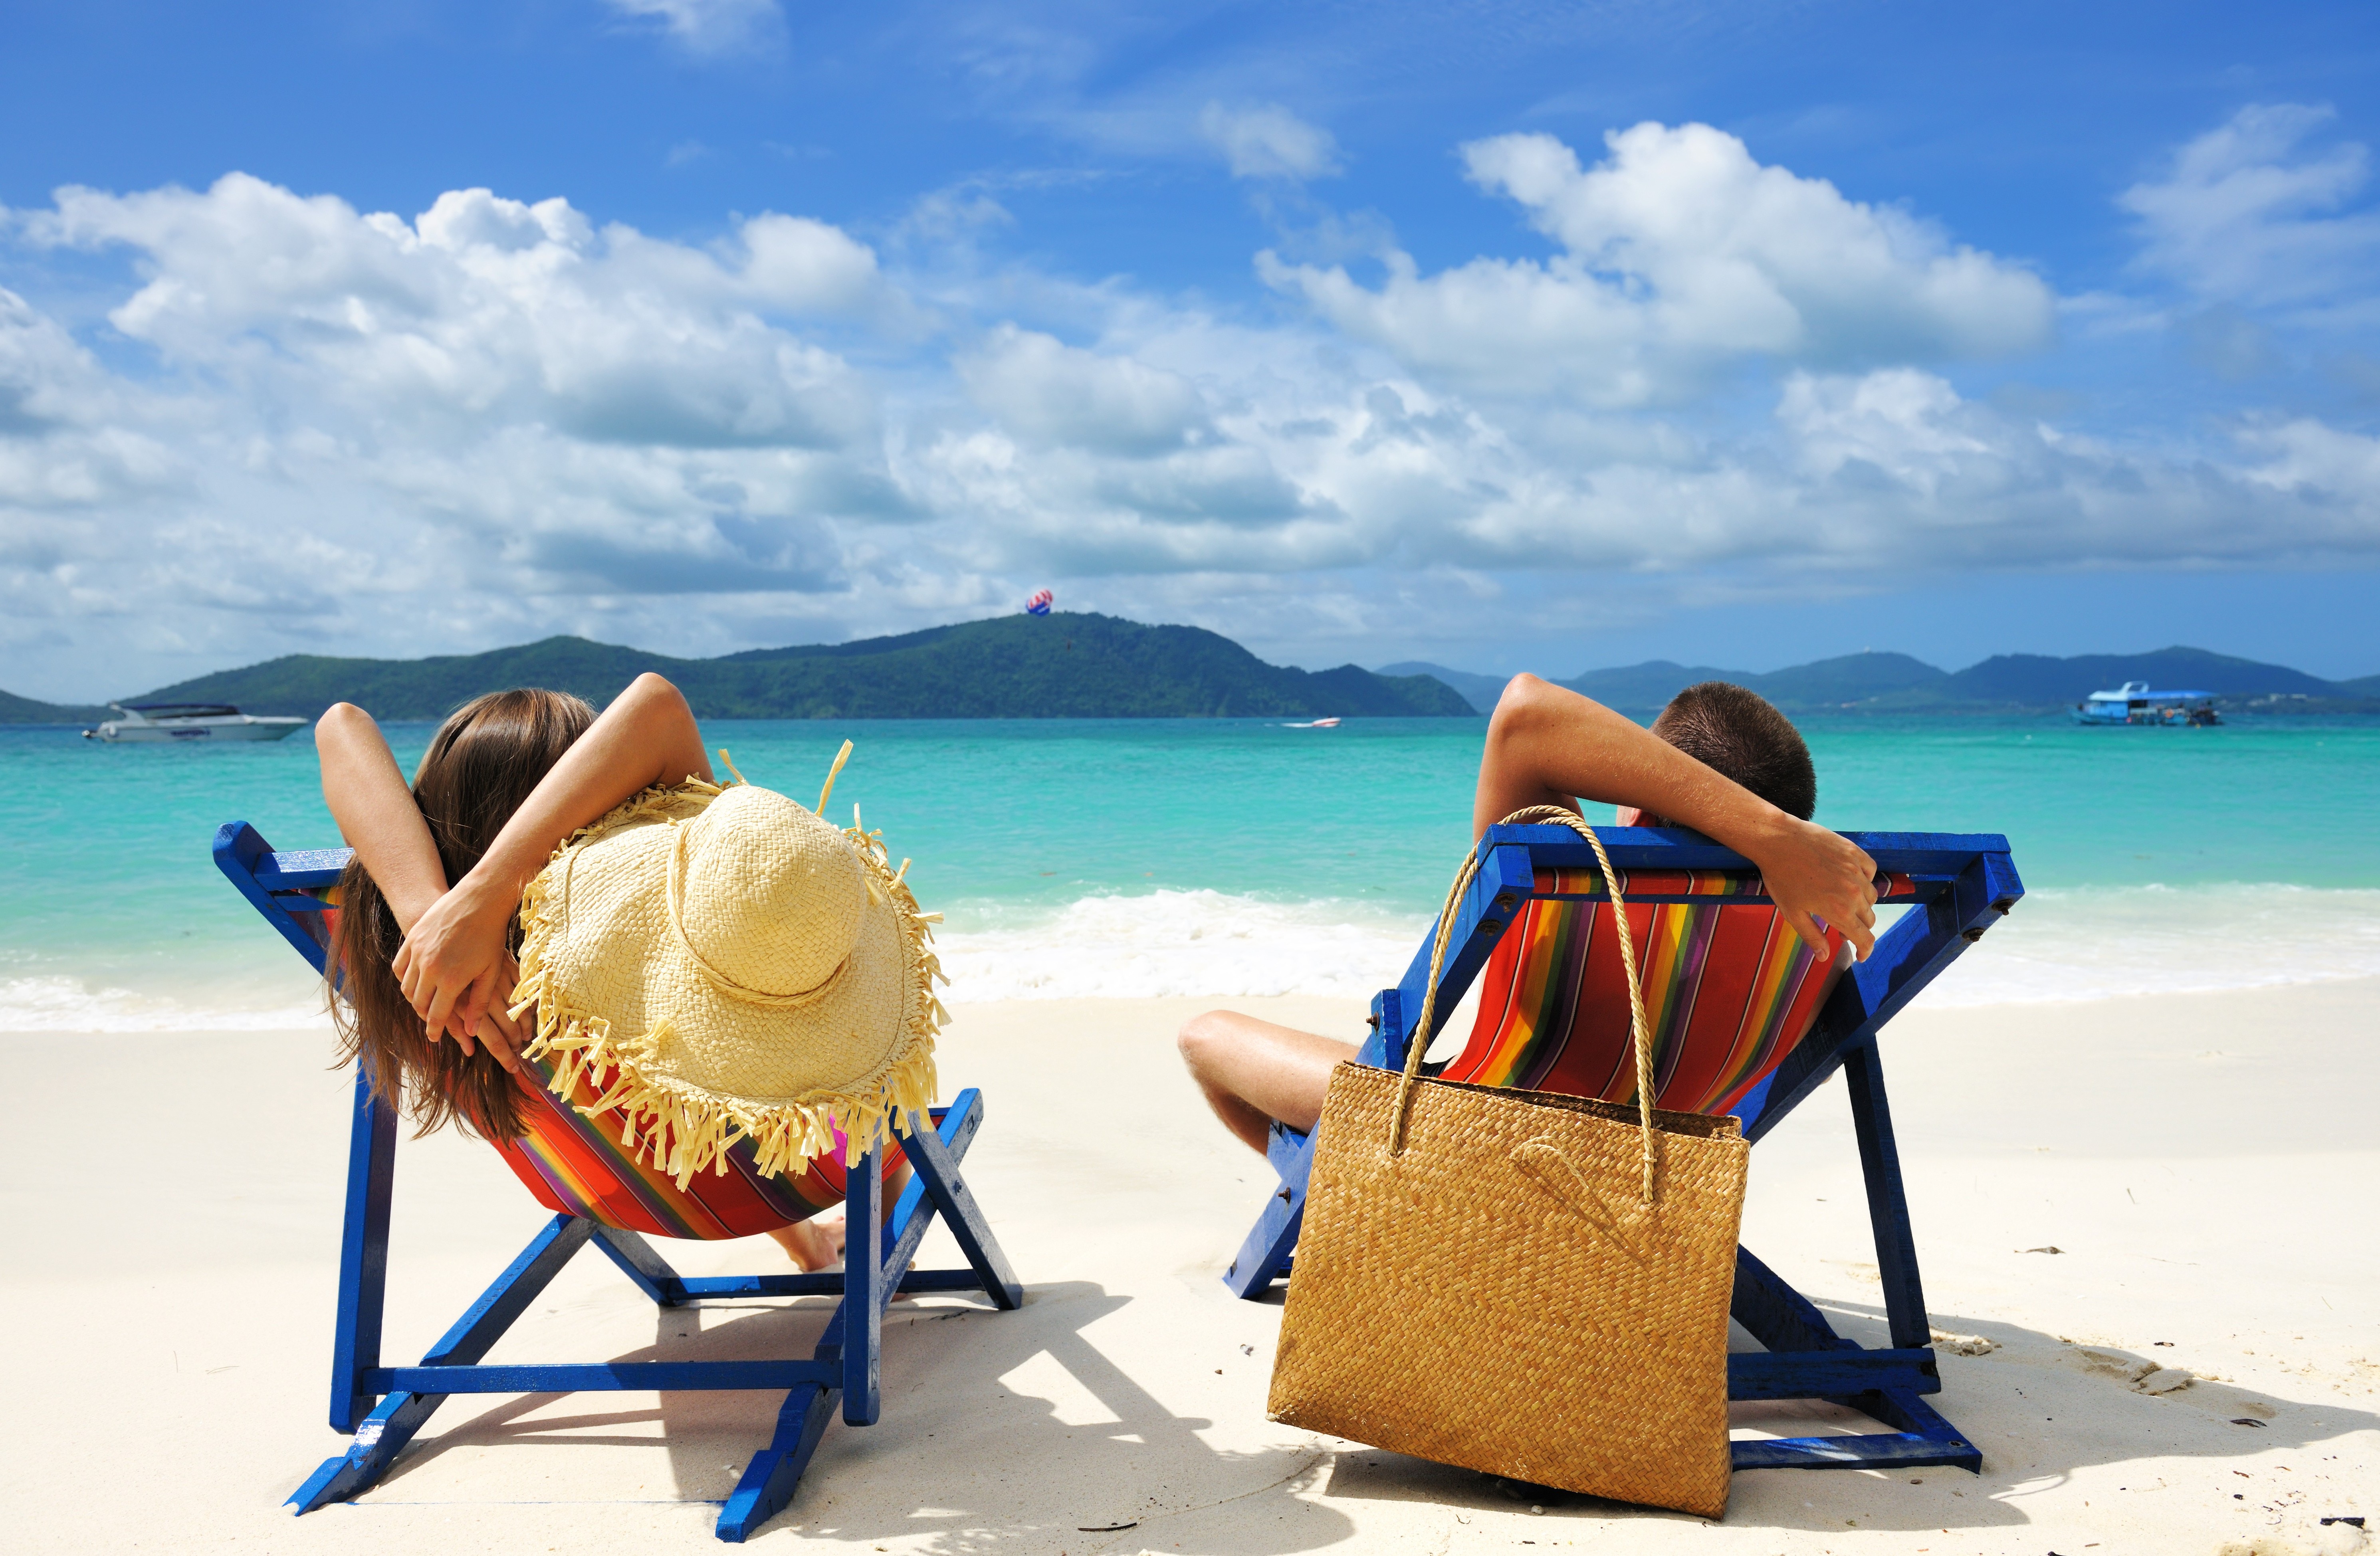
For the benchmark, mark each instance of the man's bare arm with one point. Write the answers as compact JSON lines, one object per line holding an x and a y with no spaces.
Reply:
{"x":1545,"y":745}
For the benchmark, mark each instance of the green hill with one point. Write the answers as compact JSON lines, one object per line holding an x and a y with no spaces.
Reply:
{"x":1650,"y":685}
{"x":1480,"y":691}
{"x":2033,"y":678}
{"x":1827,"y":683}
{"x":24,"y":710}
{"x":1057,"y":666}
{"x":1897,"y":683}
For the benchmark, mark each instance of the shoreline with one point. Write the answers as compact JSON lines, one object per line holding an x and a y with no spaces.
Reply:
{"x":2164,"y":1143}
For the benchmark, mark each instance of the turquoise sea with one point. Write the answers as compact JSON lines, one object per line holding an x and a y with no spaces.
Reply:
{"x":1241,"y":857}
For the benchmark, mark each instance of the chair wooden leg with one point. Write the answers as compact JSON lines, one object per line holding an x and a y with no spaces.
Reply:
{"x":1808,"y":1358}
{"x":863,"y":1279}
{"x":383,"y":1434}
{"x":769,"y":1479}
{"x":934,"y":1153}
{"x":640,"y":1262}
{"x":1265,"y":1256}
{"x":845,"y":1365}
{"x":363,"y":1256}
{"x":1888,"y":1203}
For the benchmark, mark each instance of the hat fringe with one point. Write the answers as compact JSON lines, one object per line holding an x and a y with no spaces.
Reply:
{"x":685,"y":1130}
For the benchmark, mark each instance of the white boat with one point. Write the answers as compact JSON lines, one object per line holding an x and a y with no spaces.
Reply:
{"x":2133,"y":703}
{"x":1319,"y":723}
{"x":159,"y":721}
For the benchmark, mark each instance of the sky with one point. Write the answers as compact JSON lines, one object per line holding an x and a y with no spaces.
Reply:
{"x":1505,"y":337}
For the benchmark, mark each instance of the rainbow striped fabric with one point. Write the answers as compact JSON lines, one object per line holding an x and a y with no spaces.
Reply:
{"x":1728,"y":990}
{"x":590,"y":1167}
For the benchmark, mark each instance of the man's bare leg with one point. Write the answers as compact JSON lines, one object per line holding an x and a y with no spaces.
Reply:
{"x":1254,"y":1072}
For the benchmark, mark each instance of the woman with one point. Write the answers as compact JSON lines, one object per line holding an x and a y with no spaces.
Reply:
{"x":428,"y":933}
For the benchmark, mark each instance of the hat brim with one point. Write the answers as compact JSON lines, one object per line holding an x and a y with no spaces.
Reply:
{"x":698,"y":1065}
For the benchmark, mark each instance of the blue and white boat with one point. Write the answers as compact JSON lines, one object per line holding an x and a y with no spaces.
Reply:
{"x":159,"y":721}
{"x":2133,"y":703}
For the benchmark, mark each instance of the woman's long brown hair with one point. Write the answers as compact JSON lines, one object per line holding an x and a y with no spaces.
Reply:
{"x":481,"y":764}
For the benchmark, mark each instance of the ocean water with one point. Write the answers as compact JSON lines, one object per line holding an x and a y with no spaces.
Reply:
{"x":1243,"y":857}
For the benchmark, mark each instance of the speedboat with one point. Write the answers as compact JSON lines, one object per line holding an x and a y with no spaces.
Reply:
{"x":189,"y":720}
{"x":1319,"y":723}
{"x":2133,"y":703}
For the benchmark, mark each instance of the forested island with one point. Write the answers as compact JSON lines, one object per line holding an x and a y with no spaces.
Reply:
{"x":1084,"y":665}
{"x":1066,"y":665}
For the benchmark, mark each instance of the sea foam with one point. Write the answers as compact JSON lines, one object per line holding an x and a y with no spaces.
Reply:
{"x":2077,"y":943}
{"x":58,"y":1003}
{"x":2071,"y":944}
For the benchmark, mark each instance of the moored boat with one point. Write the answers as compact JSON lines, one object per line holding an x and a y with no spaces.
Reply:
{"x":160,"y":721}
{"x":2133,"y":703}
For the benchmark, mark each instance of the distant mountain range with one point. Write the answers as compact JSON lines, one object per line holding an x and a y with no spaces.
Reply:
{"x":1095,"y":666}
{"x":1894,"y":682}
{"x":1057,"y":666}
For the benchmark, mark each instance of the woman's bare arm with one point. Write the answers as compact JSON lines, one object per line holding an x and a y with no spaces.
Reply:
{"x":376,"y":815}
{"x":454,"y":957}
{"x":1545,"y":745}
{"x":373,"y":806}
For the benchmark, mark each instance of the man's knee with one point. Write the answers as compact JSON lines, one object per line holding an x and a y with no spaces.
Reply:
{"x":1200,"y":1037}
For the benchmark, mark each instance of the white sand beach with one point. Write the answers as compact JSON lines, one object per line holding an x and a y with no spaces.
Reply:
{"x":2183,"y":1182}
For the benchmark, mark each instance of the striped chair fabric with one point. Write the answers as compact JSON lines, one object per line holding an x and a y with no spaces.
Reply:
{"x":596,"y":1166}
{"x":1730,"y":989}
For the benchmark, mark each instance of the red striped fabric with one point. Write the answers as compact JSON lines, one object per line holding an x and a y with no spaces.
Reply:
{"x":591,"y":1167}
{"x":598,"y":1167}
{"x":1730,"y":990}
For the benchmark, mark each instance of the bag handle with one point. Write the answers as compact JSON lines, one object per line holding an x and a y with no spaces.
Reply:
{"x":1643,"y":1030}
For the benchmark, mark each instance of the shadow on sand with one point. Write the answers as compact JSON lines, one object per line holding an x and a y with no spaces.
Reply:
{"x":1014,"y":1430}
{"x":998,"y":1430}
{"x":2042,"y":1409}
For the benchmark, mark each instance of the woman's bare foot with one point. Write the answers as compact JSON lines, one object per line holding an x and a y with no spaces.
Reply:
{"x":812,"y":1244}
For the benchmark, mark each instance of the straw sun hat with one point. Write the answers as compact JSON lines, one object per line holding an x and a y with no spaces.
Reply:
{"x":742,"y":967}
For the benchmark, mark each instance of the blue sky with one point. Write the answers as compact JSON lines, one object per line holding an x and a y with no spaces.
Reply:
{"x":1518,"y":336}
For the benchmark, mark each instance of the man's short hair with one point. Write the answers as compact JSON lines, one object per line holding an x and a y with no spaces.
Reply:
{"x":1740,"y":734}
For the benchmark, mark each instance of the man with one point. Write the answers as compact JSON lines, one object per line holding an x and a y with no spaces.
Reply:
{"x":1719,"y":759}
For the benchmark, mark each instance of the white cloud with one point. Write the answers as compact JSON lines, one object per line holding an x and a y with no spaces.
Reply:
{"x":487,"y":308}
{"x":314,"y":428}
{"x":712,"y":27}
{"x":2306,"y":458}
{"x":1268,"y":141}
{"x":1057,"y":395}
{"x":1681,"y":254}
{"x":2248,"y":212}
{"x":63,"y":442}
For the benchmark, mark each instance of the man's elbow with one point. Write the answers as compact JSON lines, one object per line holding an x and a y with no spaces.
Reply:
{"x":1524,"y":702}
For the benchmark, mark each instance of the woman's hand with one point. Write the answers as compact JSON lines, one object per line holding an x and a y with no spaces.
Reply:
{"x":495,"y":1026}
{"x":1818,"y":877}
{"x":454,"y":968}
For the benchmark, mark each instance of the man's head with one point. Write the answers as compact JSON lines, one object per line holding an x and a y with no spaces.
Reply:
{"x":1737,"y":733}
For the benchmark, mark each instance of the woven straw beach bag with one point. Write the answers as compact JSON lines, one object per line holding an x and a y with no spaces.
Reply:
{"x":1525,"y":1283}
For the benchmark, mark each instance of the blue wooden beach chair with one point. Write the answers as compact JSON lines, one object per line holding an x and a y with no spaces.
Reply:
{"x":1745,"y":1023}
{"x":384,"y":1406}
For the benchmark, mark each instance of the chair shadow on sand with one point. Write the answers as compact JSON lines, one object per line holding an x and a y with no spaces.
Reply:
{"x":959,"y":1455}
{"x":965,"y":1458}
{"x":2041,"y":1408}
